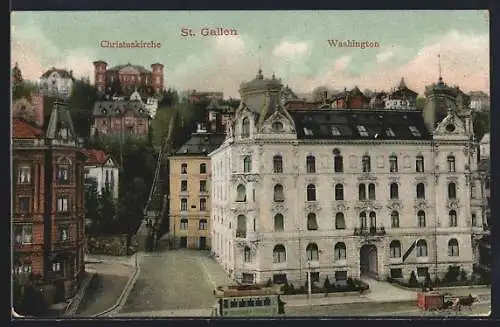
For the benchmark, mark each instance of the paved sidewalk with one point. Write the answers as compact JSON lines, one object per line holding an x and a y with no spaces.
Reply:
{"x":106,"y":288}
{"x":214,"y":272}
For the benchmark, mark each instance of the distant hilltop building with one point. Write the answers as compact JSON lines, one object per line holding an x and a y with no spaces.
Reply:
{"x":120,"y":118}
{"x":57,"y":82}
{"x":479,"y":101}
{"x":128,"y":77}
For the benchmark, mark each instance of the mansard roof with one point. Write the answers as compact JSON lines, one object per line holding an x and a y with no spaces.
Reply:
{"x":201,"y":144}
{"x":116,"y":108}
{"x":354,"y":124}
{"x":62,"y":72}
{"x":140,"y":68}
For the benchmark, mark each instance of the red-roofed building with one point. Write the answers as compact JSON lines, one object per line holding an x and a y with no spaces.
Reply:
{"x":47,"y":207}
{"x":102,"y":171}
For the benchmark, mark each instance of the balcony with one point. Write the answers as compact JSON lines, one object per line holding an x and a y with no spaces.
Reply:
{"x":65,"y":214}
{"x":371,"y":231}
{"x":254,"y":237}
{"x":27,"y":143}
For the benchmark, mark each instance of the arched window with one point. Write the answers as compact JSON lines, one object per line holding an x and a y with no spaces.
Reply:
{"x":241,"y":226}
{"x":312,"y":224}
{"x":247,"y":254}
{"x":339,"y":192}
{"x":395,"y":249}
{"x":311,"y":192}
{"x":362,"y":192}
{"x":245,"y":128}
{"x":339,"y":221}
{"x":312,"y":252}
{"x":394,"y":191}
{"x":203,"y":224}
{"x":366,"y":164}
{"x":203,"y":168}
{"x":311,"y":164}
{"x":338,"y":161}
{"x":421,"y":248}
{"x":453,"y":248}
{"x":371,"y":191}
{"x":451,"y":164}
{"x":279,"y":196}
{"x":241,"y":193}
{"x":340,"y":251}
{"x":278,"y":223}
{"x":362,"y":220}
{"x":393,"y":164}
{"x":184,"y":168}
{"x":419,"y":164}
{"x":453,"y":218}
{"x":278,"y":164}
{"x":247,"y":164}
{"x":395,"y":219}
{"x":420,"y":191}
{"x":452,"y":191}
{"x":373,"y":219}
{"x":279,"y":254}
{"x":421,"y":219}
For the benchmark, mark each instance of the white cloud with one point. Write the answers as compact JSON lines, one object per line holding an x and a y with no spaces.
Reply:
{"x":342,"y":63}
{"x":292,"y":51}
{"x":464,"y":62}
{"x":34,"y":54}
{"x":385,"y":56}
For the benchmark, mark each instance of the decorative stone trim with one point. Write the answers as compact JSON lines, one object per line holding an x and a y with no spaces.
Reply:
{"x":312,"y":206}
{"x":367,"y":205}
{"x":367,"y":177}
{"x":279,"y":207}
{"x":394,"y":205}
{"x":421,"y":204}
{"x":453,"y":204}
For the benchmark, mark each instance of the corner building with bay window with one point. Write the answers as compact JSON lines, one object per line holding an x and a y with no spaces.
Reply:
{"x":340,"y":192}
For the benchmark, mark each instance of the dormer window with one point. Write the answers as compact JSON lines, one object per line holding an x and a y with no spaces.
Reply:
{"x":245,"y":128}
{"x":63,"y":133}
{"x":362,"y":130}
{"x":414,"y":131}
{"x":277,"y":126}
{"x":335,"y":131}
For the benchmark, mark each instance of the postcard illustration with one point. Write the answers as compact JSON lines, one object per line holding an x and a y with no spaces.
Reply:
{"x":250,"y":163}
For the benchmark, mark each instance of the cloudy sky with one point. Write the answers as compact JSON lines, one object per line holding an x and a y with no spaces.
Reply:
{"x":293,"y":45}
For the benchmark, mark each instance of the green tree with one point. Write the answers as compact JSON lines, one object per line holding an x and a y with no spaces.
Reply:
{"x":131,"y":205}
{"x":481,"y":124}
{"x":107,"y":212}
{"x":23,"y":89}
{"x":92,"y":206}
{"x":81,"y":104}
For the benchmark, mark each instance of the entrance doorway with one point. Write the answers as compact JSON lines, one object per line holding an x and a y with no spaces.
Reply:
{"x":368,"y":261}
{"x":183,"y":242}
{"x":203,"y":242}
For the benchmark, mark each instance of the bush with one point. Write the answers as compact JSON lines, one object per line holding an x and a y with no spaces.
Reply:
{"x":269,"y":282}
{"x":463,"y":275}
{"x":413,"y":279}
{"x":452,"y":274}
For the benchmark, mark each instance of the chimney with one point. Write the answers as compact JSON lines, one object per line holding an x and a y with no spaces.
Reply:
{"x":37,"y":102}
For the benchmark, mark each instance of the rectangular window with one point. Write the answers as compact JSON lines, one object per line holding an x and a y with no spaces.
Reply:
{"x":56,"y":267}
{"x":184,"y":224}
{"x":340,"y":275}
{"x":279,"y":279}
{"x":184,"y":186}
{"x":22,"y":269}
{"x":247,"y":279}
{"x":315,"y":277}
{"x":184,"y":204}
{"x":203,"y":224}
{"x":396,"y":273}
{"x":422,"y":271}
{"x":24,"y":204}
{"x":63,"y":175}
{"x":203,"y":186}
{"x":24,"y":174}
{"x":203,"y":204}
{"x":419,"y":164}
{"x":63,"y":233}
{"x":62,"y":204}
{"x":23,"y":234}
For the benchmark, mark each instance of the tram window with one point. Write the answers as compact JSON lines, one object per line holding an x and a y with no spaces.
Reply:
{"x":250,"y":303}
{"x":243,"y":303}
{"x":258,"y":303}
{"x":226,"y":304}
{"x":267,"y":301}
{"x":234,"y":304}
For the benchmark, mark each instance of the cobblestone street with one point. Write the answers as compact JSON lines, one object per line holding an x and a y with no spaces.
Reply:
{"x":171,"y":280}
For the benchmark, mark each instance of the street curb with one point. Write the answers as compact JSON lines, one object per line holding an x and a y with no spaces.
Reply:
{"x":291,"y":305}
{"x":126,"y":290}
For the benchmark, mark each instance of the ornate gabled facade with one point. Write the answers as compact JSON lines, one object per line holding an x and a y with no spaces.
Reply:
{"x":57,"y":82}
{"x":48,"y":211}
{"x":339,"y":193}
